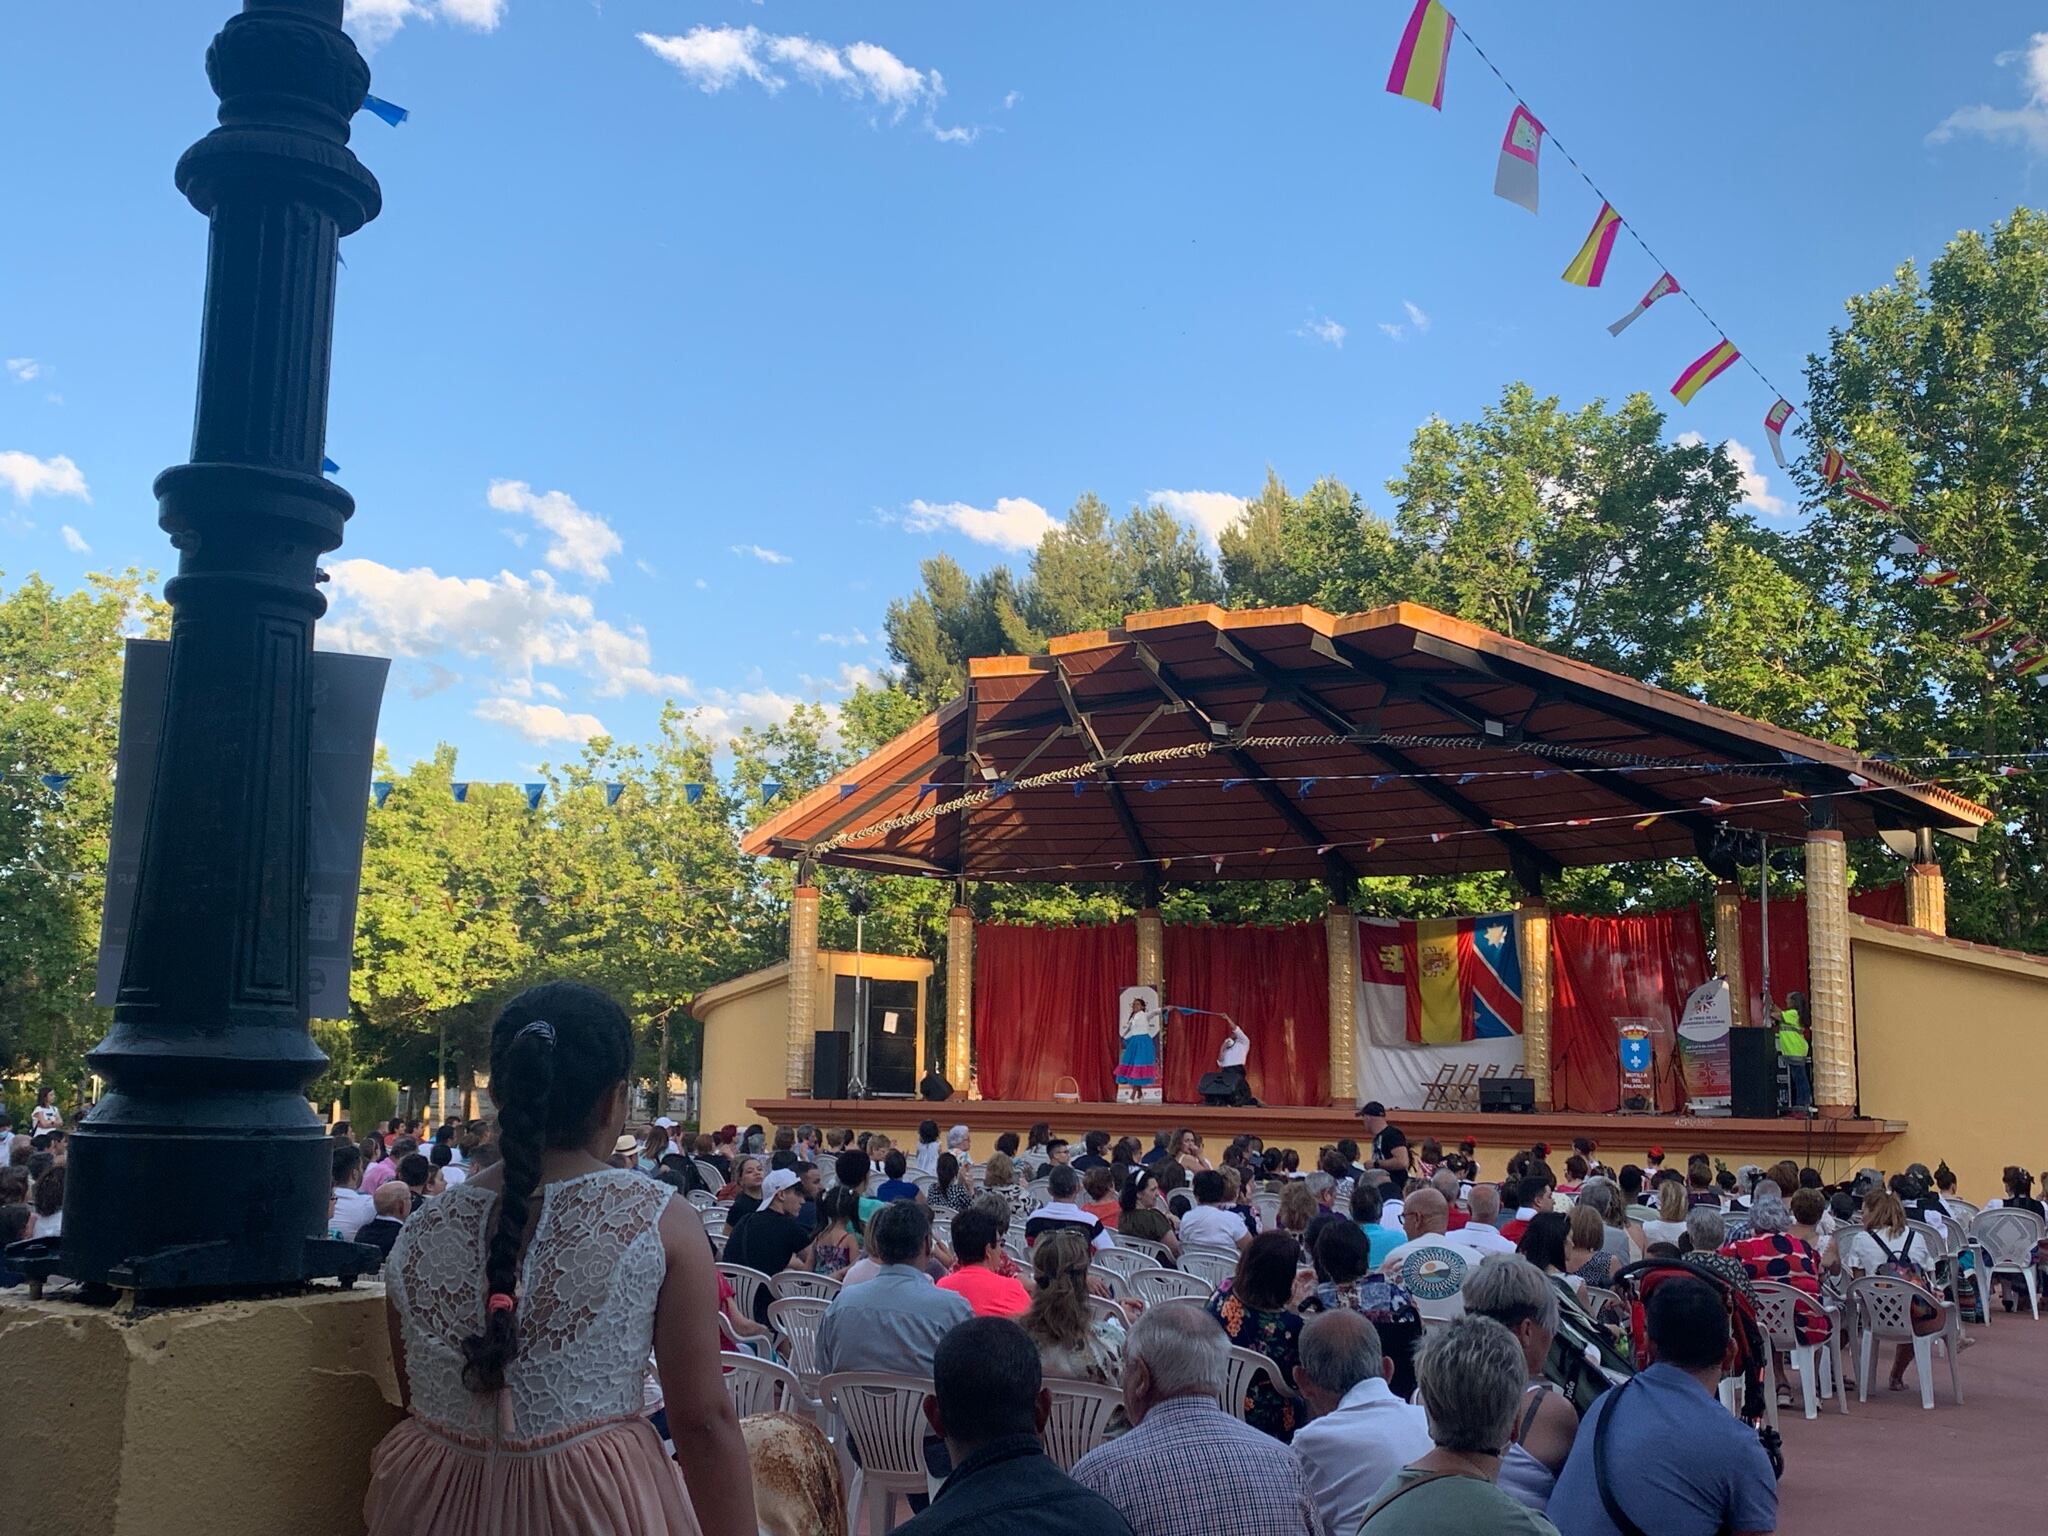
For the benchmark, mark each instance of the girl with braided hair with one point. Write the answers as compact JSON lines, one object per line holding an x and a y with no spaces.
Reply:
{"x":523,"y":1306}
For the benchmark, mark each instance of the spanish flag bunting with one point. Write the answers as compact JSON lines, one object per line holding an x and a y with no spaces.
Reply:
{"x":1711,"y":364}
{"x":1436,"y":837}
{"x":1515,"y":180}
{"x":1662,"y":288}
{"x":1834,"y":467}
{"x":1906,"y":547}
{"x":2032,"y":665}
{"x":1217,"y":860}
{"x":1576,"y":821}
{"x":1376,"y":845}
{"x":1424,"y":55}
{"x":1866,"y":497}
{"x":1988,"y":630}
{"x":1648,"y":821}
{"x":1712,"y":804}
{"x":1774,"y":427}
{"x":1937,"y":578}
{"x":1590,"y":265}
{"x":2026,"y":645}
{"x":1166,"y":863}
{"x":1794,"y":794}
{"x":1505,"y":826}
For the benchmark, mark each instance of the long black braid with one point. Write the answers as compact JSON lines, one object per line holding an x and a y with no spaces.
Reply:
{"x":557,"y":1052}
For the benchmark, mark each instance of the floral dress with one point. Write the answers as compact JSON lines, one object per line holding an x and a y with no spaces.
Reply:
{"x":1277,"y":1336}
{"x":1787,"y":1260}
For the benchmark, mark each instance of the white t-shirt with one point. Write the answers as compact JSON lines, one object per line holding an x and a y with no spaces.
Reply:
{"x":452,"y":1175}
{"x":1481,"y":1237}
{"x":1216,"y":1225}
{"x":1236,"y":1050}
{"x":1663,"y":1232}
{"x":353,"y":1210}
{"x":1390,"y":1214}
{"x":1445,"y":1240}
{"x":1858,"y":1250}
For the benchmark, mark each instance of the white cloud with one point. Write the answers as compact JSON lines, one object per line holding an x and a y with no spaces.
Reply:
{"x":1322,"y":328}
{"x":1755,"y":484}
{"x":540,"y":723}
{"x":854,"y":637}
{"x":74,"y":540}
{"x":723,"y":713}
{"x":765,"y":556}
{"x":1416,"y":316}
{"x":2027,"y":123}
{"x":516,"y":624}
{"x":28,"y":476}
{"x":701,"y":584}
{"x":1396,"y":330}
{"x":714,"y":58}
{"x":1010,"y":99}
{"x":583,"y":541}
{"x":1210,"y":511}
{"x":645,"y":568}
{"x":1013,"y":523}
{"x":850,"y":675}
{"x":375,"y":22}
{"x":24,"y":369}
{"x":1391,"y":331}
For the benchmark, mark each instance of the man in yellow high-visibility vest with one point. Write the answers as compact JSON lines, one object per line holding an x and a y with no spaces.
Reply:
{"x":1796,"y":1050}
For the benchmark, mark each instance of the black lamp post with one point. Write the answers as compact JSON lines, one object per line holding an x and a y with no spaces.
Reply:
{"x":202,"y":1167}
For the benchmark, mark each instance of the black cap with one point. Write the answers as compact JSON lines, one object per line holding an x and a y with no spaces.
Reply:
{"x":1373,"y":1107}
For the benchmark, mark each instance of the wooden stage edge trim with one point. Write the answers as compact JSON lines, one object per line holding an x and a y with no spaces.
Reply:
{"x":1624,"y":1138}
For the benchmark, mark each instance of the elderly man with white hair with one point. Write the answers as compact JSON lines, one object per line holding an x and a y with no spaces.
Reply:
{"x":1187,"y":1468}
{"x":1361,"y":1434}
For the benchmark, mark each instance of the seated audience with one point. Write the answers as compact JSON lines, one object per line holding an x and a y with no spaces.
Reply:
{"x":1255,"y":1307}
{"x":1602,"y":1194}
{"x":1060,"y":1214}
{"x":836,"y":1247}
{"x":1349,"y":1284}
{"x":980,"y":1276}
{"x":1586,"y":1259}
{"x":989,"y":1404}
{"x":1141,"y":1209}
{"x":394,"y":1204}
{"x":772,"y":1239}
{"x":1368,"y":1206}
{"x":1073,"y":1343}
{"x":1361,"y":1433}
{"x":1885,"y":1239}
{"x":893,"y":1322}
{"x":951,"y":1189}
{"x":1187,"y":1468}
{"x":353,"y":1210}
{"x":1470,"y":1376}
{"x":999,"y":1178}
{"x":1210,"y":1222}
{"x":1677,"y":1463}
{"x":894,"y":1185}
{"x":1772,"y":1252}
{"x":1513,"y":1292}
{"x":1099,"y":1185}
{"x":1668,"y":1226}
{"x":1483,"y":1232}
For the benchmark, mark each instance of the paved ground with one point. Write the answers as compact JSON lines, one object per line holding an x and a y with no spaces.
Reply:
{"x":1894,"y":1466}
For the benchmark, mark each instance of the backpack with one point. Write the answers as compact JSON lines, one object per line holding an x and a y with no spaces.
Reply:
{"x":1901,"y":1265}
{"x":1583,"y":1362}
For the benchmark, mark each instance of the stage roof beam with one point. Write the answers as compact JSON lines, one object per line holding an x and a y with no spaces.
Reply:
{"x":1140,"y":849}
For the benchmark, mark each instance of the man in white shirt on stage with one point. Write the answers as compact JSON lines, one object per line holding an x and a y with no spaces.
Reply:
{"x":1237,"y":1049}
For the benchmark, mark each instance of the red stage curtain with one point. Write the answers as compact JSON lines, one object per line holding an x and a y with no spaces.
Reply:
{"x":1045,"y":1007}
{"x":1886,"y":903}
{"x":1603,"y":968}
{"x":1275,"y":982}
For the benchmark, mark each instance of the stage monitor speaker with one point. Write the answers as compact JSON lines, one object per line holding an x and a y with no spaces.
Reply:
{"x":1507,"y":1095}
{"x":831,"y":1063}
{"x":1753,"y":1074}
{"x":1226,"y":1089}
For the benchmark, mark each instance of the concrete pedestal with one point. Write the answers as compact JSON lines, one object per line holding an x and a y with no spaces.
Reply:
{"x":237,"y":1419}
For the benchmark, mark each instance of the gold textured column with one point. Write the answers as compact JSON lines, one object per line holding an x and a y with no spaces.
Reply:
{"x":1827,"y":972}
{"x":1927,"y":898}
{"x":1728,"y":946}
{"x":803,"y":990}
{"x":1532,"y":934}
{"x":1340,"y":933}
{"x":1151,"y":948}
{"x":959,"y":996}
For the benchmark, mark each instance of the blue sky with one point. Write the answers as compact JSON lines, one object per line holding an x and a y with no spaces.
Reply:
{"x":678,"y":346}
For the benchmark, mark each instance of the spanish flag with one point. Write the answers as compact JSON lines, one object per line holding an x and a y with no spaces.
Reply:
{"x":1707,"y":368}
{"x":1424,"y":55}
{"x":1590,"y":265}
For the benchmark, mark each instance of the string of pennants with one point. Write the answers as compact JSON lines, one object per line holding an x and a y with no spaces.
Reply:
{"x":1420,"y":66}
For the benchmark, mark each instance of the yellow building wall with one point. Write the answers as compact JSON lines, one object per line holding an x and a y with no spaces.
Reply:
{"x":746,"y":1022}
{"x":1953,"y":1040}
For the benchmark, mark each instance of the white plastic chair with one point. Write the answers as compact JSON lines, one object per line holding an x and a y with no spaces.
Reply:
{"x":1082,"y":1412}
{"x":747,"y":1284}
{"x":1104,"y":1310}
{"x":1214,"y":1265}
{"x":884,"y":1417}
{"x":1155,"y":1286}
{"x":1119,"y":1285}
{"x":1122,"y":1262}
{"x":795,"y":1321}
{"x":703,"y":1200}
{"x":1885,"y":1314}
{"x":709,"y":1173}
{"x":2004,"y":1239}
{"x":1777,"y":1312}
{"x":759,"y":1386}
{"x":1245,"y":1368}
{"x":801,"y":1282}
{"x":1155,"y":1253}
{"x":1268,"y":1209}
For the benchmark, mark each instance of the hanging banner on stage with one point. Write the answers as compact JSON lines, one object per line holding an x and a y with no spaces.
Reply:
{"x":1638,"y":1064}
{"x":1703,"y":1049}
{"x":1434,"y":993}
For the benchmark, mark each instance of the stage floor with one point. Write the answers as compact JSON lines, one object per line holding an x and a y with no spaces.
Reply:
{"x":1833,"y":1146}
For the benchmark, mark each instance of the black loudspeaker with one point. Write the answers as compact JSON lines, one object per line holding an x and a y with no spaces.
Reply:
{"x":831,"y":1062}
{"x":1753,"y":1074}
{"x":1507,"y":1095}
{"x":1226,"y":1089}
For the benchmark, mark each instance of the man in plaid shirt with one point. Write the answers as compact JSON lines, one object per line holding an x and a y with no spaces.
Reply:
{"x":1187,"y":1468}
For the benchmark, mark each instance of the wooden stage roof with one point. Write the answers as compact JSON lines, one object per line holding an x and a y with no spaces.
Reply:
{"x":1295,"y":743}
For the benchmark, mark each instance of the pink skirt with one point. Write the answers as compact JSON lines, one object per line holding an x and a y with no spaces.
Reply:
{"x":609,"y":1480}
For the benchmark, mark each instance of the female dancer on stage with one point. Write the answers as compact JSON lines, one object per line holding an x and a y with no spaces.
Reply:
{"x":1137,"y":1071}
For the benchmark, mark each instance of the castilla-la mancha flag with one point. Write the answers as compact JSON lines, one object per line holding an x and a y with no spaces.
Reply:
{"x":1447,"y":978}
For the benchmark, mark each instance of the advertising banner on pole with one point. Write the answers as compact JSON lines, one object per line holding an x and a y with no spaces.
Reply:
{"x":1638,"y":1065}
{"x":1703,"y":1048}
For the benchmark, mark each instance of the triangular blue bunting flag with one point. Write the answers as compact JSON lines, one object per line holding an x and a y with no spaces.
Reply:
{"x":612,"y":793}
{"x":1380,"y":779}
{"x":1153,"y":786}
{"x":533,"y":794}
{"x":1080,"y":788}
{"x":377,"y":106}
{"x":1542,"y":773}
{"x":380,"y":792}
{"x":928,"y":789}
{"x":770,"y":788}
{"x":1467,"y":778}
{"x":1000,"y":788}
{"x":329,"y":467}
{"x":848,"y":789}
{"x":692,"y":793}
{"x":461,"y":793}
{"x":56,"y":783}
{"x":1230,"y":784}
{"x":1306,"y":786}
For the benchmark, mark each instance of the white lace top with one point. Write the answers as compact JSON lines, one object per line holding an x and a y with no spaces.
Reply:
{"x":587,"y":1289}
